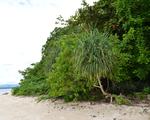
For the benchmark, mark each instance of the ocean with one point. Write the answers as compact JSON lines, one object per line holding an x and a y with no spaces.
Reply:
{"x":2,"y":91}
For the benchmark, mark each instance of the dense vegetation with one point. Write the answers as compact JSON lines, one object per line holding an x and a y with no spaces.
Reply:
{"x":103,"y":49}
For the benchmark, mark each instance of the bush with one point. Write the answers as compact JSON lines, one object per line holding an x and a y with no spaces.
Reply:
{"x":140,"y":95}
{"x":119,"y":60}
{"x":121,"y":100}
{"x":146,"y":90}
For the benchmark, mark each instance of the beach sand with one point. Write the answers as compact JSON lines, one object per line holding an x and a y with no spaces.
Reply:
{"x":27,"y":108}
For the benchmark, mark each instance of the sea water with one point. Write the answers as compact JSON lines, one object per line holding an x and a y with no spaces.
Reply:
{"x":3,"y":91}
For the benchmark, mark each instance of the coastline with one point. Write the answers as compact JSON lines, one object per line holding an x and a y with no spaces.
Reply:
{"x":5,"y":91}
{"x":27,"y":108}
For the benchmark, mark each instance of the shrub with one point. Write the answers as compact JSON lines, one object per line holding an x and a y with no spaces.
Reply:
{"x":146,"y":90}
{"x":121,"y":100}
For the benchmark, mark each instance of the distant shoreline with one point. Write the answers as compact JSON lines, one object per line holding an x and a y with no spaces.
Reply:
{"x":8,"y":86}
{"x":4,"y":91}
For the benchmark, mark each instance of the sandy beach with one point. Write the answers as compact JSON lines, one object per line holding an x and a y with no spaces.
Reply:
{"x":27,"y":108}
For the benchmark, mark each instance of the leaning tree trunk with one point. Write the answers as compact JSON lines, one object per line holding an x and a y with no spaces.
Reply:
{"x":102,"y":89}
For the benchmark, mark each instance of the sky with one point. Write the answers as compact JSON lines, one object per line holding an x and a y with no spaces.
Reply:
{"x":24,"y":28}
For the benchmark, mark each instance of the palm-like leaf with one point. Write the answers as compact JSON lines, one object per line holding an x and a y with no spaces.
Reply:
{"x":93,"y":56}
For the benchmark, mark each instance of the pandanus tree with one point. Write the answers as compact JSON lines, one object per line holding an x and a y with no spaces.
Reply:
{"x":94,"y":58}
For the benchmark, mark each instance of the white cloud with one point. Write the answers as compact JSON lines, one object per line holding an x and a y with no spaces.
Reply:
{"x":24,"y":28}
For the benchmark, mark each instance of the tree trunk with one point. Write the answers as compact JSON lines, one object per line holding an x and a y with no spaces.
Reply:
{"x":103,"y":91}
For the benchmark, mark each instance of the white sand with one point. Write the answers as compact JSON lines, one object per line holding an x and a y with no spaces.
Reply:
{"x":26,"y":108}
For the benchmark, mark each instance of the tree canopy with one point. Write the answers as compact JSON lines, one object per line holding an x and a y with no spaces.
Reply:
{"x":106,"y":44}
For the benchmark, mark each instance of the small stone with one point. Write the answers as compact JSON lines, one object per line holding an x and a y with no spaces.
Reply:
{"x":94,"y":116}
{"x":124,"y":113}
{"x":92,"y":103}
{"x":145,"y":110}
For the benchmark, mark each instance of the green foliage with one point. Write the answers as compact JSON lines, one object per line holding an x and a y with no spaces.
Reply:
{"x":33,"y":83}
{"x":100,"y":16}
{"x":79,"y":51}
{"x":94,"y":57}
{"x":121,"y":100}
{"x":146,"y":90}
{"x":140,"y":95}
{"x":133,"y":46}
{"x":63,"y":80}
